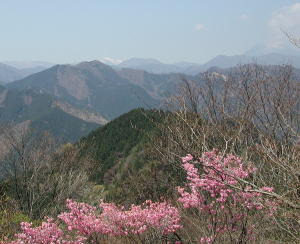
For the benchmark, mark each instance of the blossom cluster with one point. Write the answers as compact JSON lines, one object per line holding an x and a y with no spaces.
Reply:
{"x":216,"y":186}
{"x":218,"y":177}
{"x":47,"y":233}
{"x":83,"y":221}
{"x":110,"y":219}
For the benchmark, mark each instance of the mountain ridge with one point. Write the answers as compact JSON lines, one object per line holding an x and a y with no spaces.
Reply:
{"x":221,"y":61}
{"x":43,"y":113}
{"x":9,"y":73}
{"x":89,"y":85}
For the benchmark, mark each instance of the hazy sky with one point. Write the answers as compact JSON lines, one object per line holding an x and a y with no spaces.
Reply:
{"x":64,"y":31}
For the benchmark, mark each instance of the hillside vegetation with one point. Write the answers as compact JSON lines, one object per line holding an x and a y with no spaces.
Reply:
{"x":220,"y":164}
{"x":113,"y":143}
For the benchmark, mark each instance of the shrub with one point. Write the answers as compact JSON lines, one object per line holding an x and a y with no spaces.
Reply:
{"x":219,"y":189}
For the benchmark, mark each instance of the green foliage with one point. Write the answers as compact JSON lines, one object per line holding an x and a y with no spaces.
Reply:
{"x":126,"y":162}
{"x":112,"y":143}
{"x":94,"y":194}
{"x":10,"y":218}
{"x":126,"y":167}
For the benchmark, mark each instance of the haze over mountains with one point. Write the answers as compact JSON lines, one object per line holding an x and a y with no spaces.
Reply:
{"x":220,"y":61}
{"x":28,"y":64}
{"x":89,"y":85}
{"x":261,"y":54}
{"x":9,"y":73}
{"x":72,"y":100}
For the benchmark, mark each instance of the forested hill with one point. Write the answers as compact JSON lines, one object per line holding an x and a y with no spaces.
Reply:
{"x":110,"y":144}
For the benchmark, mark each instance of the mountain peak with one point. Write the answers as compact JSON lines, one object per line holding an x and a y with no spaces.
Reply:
{"x":94,"y":66}
{"x":111,"y":61}
{"x":93,"y":62}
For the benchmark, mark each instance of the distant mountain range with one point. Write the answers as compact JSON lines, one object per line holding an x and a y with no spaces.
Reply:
{"x":10,"y":73}
{"x":71,"y":100}
{"x":154,"y":66}
{"x":16,"y":70}
{"x":89,"y":85}
{"x":97,"y":87}
{"x":221,"y":61}
{"x":28,"y":64}
{"x":286,"y":49}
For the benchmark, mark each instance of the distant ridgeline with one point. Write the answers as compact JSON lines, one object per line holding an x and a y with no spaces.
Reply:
{"x":90,"y":85}
{"x":72,"y":100}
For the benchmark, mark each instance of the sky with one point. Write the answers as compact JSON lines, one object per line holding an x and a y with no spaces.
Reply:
{"x":69,"y":31}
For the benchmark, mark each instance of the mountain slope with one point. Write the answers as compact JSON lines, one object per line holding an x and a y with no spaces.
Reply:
{"x":157,"y":85}
{"x":9,"y":73}
{"x":113,"y":142}
{"x":125,"y":160}
{"x":150,"y":65}
{"x":42,"y":113}
{"x":89,"y":85}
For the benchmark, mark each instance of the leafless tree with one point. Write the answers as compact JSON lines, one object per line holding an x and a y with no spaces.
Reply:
{"x":40,"y":175}
{"x":251,"y":111}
